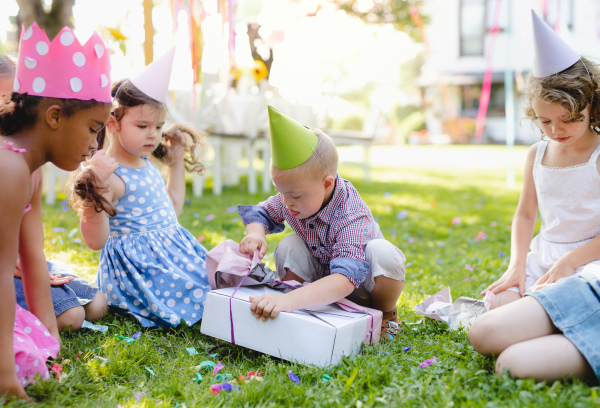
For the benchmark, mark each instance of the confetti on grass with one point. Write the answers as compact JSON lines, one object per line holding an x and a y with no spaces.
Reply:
{"x":427,"y":362}
{"x":56,"y":369}
{"x":127,"y":339}
{"x":217,"y":368}
{"x":205,"y":364}
{"x":198,"y":378}
{"x":326,"y":377}
{"x":192,"y":351}
{"x":293,"y":377}
{"x":402,"y":215}
{"x":407,"y":348}
{"x":149,"y":370}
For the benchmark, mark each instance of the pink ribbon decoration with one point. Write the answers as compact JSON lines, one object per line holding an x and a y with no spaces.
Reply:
{"x":487,"y":79}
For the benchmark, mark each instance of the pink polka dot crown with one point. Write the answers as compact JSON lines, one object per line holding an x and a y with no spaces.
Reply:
{"x":62,"y":68}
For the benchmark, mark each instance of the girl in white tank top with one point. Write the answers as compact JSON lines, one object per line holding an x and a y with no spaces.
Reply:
{"x":562,"y":181}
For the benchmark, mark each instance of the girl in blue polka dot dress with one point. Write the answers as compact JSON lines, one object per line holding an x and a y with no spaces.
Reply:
{"x":150,"y":266}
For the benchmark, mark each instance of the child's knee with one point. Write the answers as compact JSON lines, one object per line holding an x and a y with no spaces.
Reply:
{"x":72,"y":317}
{"x":97,"y":307}
{"x":384,"y":258}
{"x":512,"y":360}
{"x":480,"y":333}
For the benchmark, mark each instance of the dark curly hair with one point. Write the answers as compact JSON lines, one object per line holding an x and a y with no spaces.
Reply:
{"x":21,"y":110}
{"x":574,"y":89}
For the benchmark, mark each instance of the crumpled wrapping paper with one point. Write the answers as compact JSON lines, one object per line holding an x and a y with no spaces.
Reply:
{"x":463,"y":312}
{"x":226,"y":266}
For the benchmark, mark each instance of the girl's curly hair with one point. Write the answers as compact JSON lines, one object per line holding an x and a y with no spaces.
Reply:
{"x":83,"y":185}
{"x":573,"y":88}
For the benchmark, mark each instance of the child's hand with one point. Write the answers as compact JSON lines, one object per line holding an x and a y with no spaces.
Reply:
{"x":252,"y":242}
{"x":102,"y":165}
{"x":269,"y":305}
{"x":514,"y":276}
{"x":57,"y":280}
{"x":11,"y":387}
{"x":176,"y":141}
{"x":559,"y":270}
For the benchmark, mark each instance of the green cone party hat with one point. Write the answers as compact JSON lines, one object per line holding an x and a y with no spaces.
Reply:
{"x":291,"y":143}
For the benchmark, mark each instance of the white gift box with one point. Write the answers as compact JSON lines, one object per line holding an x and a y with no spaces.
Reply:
{"x":319,"y":336}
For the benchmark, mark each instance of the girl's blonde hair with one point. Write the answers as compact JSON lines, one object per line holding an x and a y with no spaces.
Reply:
{"x":574,"y":89}
{"x":85,"y":190}
{"x":324,"y":161}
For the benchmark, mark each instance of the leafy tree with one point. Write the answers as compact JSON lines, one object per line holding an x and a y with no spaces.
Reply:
{"x":396,"y":12}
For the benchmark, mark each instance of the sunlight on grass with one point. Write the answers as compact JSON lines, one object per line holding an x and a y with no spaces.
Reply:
{"x":435,"y":203}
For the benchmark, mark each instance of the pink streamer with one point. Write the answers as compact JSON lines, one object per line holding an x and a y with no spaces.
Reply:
{"x":487,"y":79}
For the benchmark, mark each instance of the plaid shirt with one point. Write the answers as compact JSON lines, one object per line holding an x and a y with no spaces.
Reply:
{"x":336,"y":235}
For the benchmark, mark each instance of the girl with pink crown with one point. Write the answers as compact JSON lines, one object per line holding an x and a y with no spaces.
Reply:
{"x":75,"y":299}
{"x":552,"y":332}
{"x":61,"y":100}
{"x":150,"y":266}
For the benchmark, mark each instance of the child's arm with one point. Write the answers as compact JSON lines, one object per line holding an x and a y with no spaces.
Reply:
{"x":33,"y":262}
{"x":12,"y":203}
{"x":176,"y":177}
{"x":523,"y":227}
{"x":322,"y":292}
{"x":94,"y":225}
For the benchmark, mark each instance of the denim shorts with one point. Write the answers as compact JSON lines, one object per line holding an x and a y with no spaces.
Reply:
{"x":573,"y":304}
{"x":78,"y":292}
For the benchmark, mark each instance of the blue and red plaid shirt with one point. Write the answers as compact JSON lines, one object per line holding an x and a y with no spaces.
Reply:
{"x":337,"y":235}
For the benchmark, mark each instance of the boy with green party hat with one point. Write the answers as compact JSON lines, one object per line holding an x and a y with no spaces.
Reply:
{"x":337,"y":246}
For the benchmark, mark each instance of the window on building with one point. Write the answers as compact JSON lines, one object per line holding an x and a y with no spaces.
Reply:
{"x":471,"y":95}
{"x":472,"y":27}
{"x":558,"y":13}
{"x":476,"y":19}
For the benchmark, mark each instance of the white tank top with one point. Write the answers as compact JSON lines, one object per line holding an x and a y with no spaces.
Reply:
{"x":568,"y":199}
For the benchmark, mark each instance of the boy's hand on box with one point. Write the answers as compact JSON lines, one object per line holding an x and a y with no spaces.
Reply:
{"x":269,"y":305}
{"x":252,"y":242}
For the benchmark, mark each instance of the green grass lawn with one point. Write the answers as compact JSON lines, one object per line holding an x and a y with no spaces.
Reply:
{"x":434,"y":186}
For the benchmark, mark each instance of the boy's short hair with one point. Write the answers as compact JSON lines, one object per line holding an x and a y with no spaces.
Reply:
{"x":313,"y":167}
{"x":574,"y":88}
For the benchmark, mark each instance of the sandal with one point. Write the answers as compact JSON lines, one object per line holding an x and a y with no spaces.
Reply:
{"x":390,"y":325}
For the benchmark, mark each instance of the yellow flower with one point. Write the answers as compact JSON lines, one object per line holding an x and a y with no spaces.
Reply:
{"x":115,"y":32}
{"x":260,"y":70}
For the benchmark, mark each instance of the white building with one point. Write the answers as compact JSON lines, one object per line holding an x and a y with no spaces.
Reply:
{"x":459,"y":34}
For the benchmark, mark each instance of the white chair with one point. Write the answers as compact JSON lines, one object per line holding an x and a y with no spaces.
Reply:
{"x":53,"y":178}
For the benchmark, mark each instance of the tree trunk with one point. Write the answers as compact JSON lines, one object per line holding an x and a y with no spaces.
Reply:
{"x":59,"y":16}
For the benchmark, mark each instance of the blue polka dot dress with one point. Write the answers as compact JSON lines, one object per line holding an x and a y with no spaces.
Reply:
{"x":151,"y":267}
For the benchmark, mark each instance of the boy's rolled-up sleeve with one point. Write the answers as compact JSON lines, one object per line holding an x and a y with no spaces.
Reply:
{"x":267,"y":213}
{"x":354,"y":269}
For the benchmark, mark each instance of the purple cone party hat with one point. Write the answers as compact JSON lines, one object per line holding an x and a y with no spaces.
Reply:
{"x":154,"y":79}
{"x":63,"y":68}
{"x":551,"y":54}
{"x":291,"y":142}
